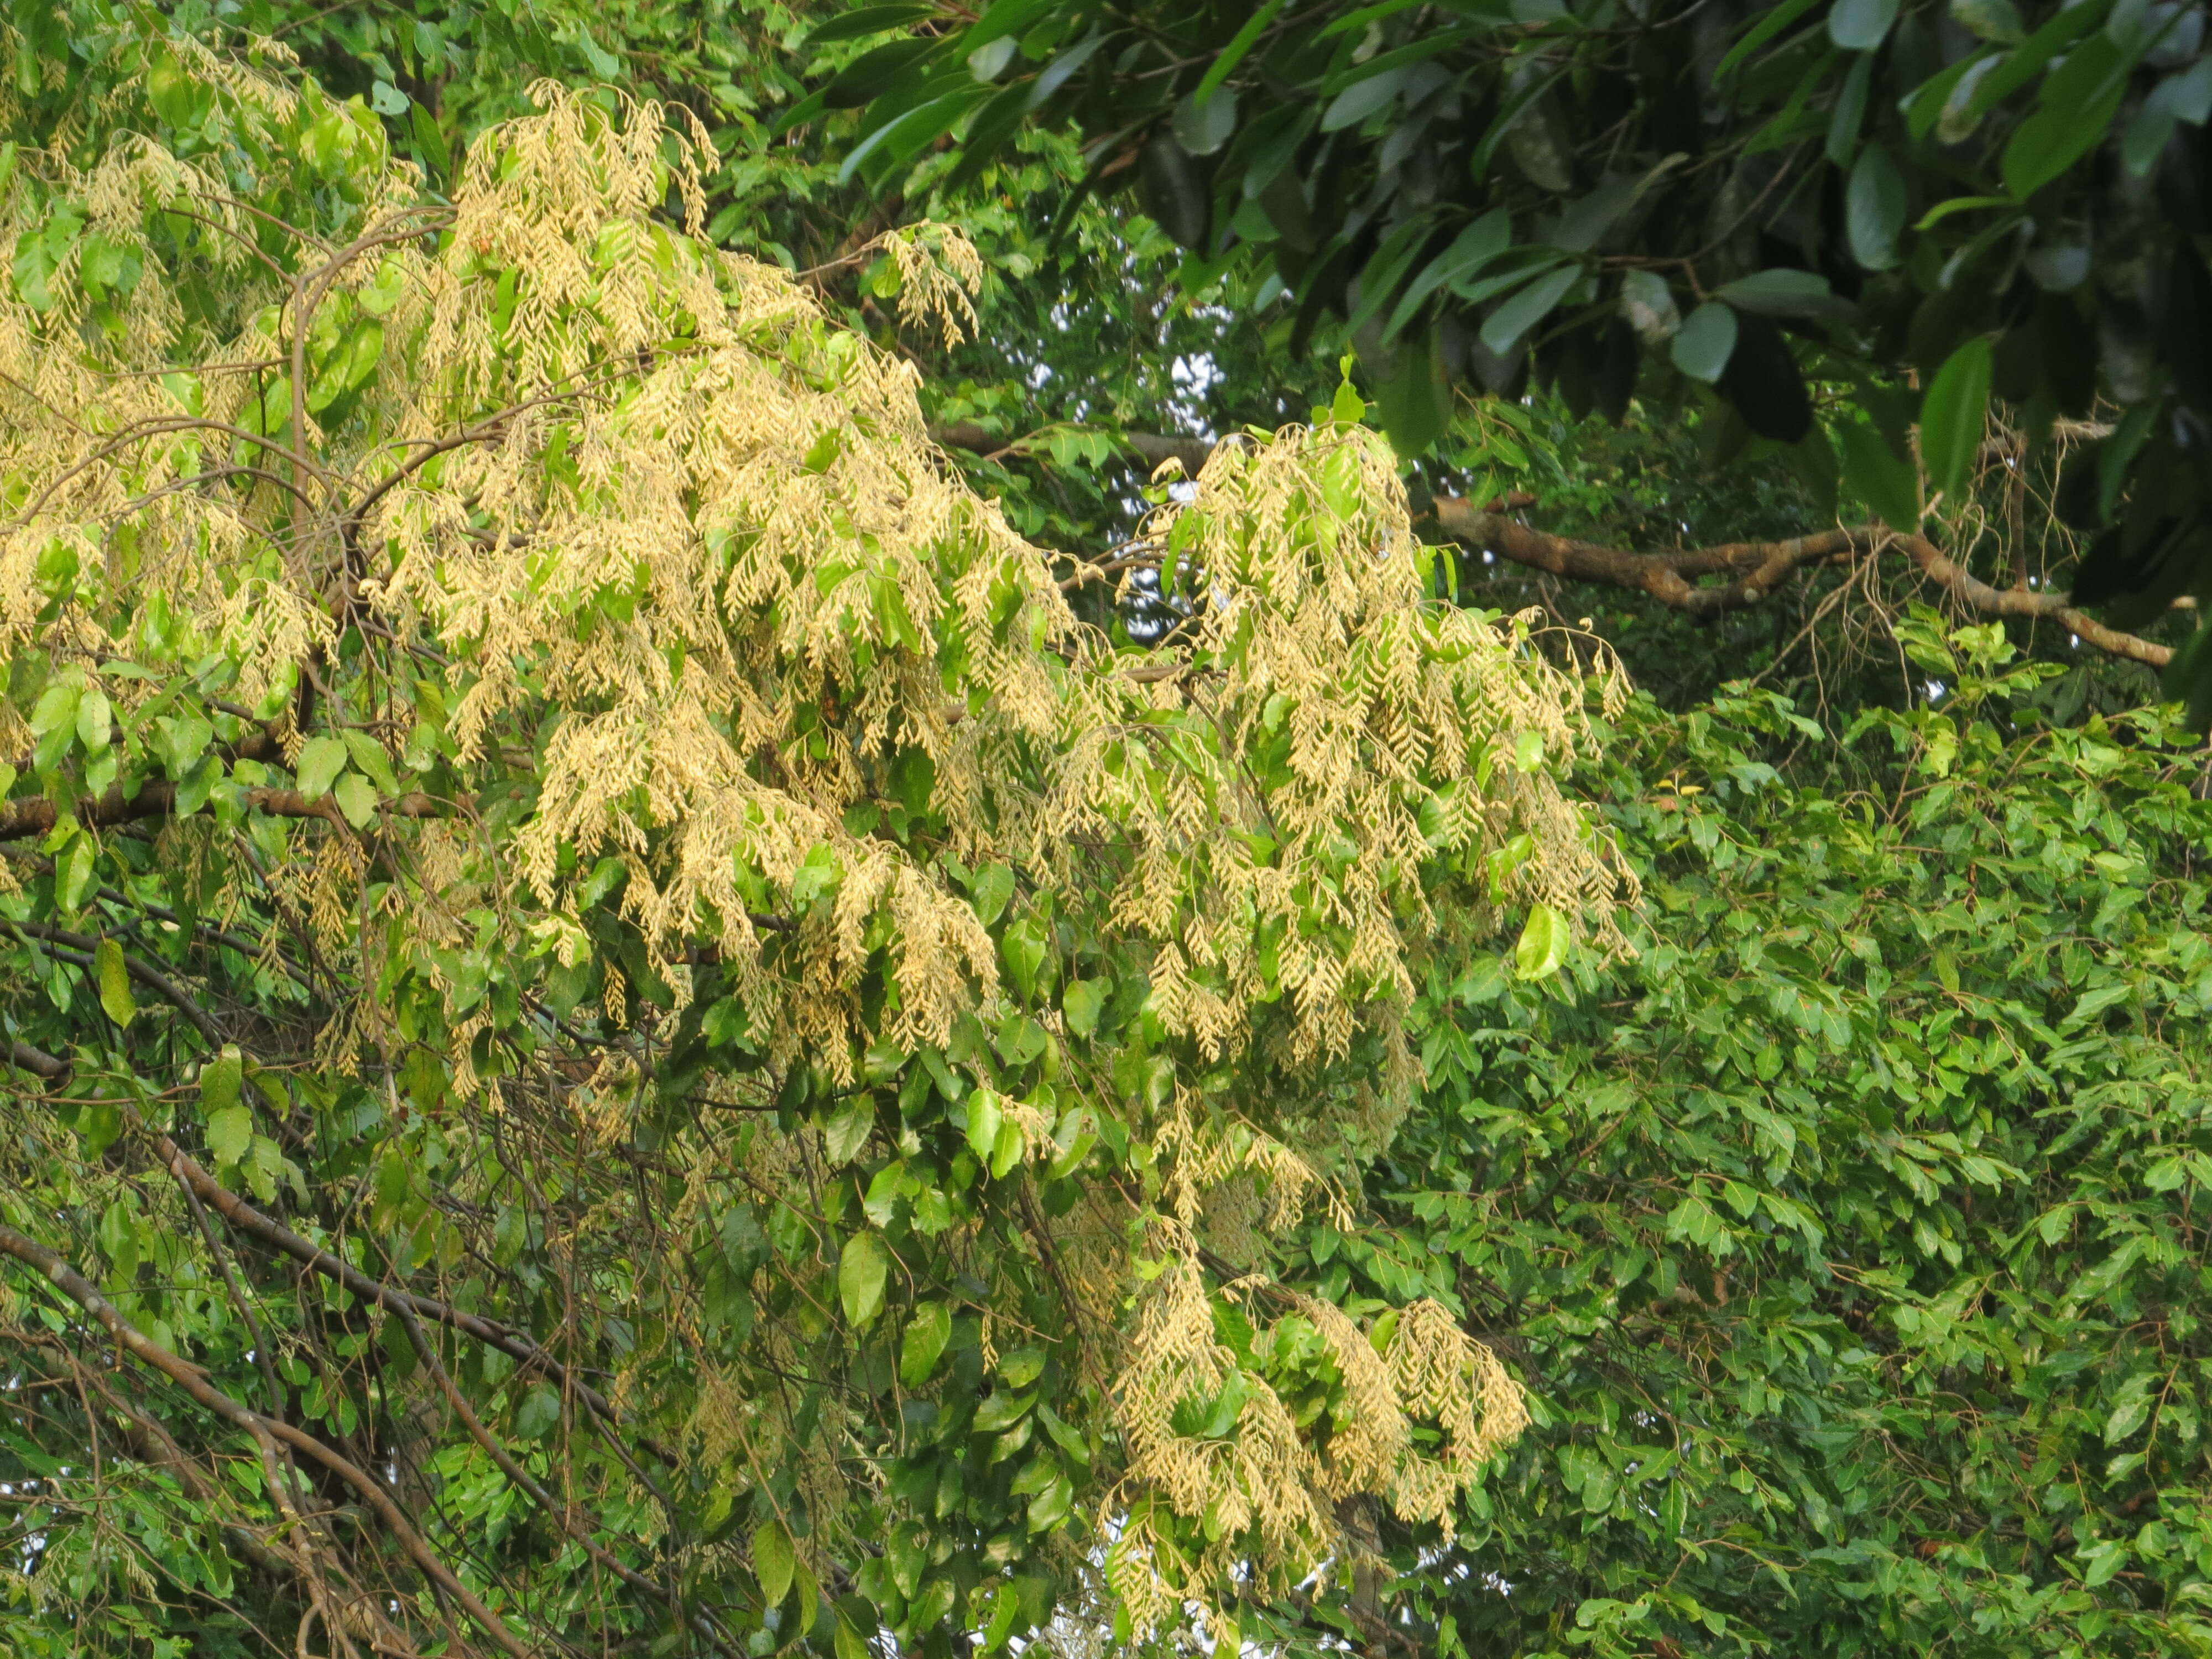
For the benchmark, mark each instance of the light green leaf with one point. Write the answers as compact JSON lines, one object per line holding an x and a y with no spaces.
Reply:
{"x":773,"y":1561}
{"x":993,"y":886}
{"x":860,"y":1275}
{"x":926,"y":1334}
{"x":538,"y":1414}
{"x":1079,"y":1005}
{"x":1861,"y":25}
{"x":1954,"y":416}
{"x":55,"y":709}
{"x":115,"y":983}
{"x":1706,"y":342}
{"x":1050,"y":1507}
{"x":983,"y":1121}
{"x":95,"y":721}
{"x":845,"y":1131}
{"x":1204,"y":126}
{"x":357,"y":797}
{"x":1008,"y":1150}
{"x":220,"y":1079}
{"x":368,"y":755}
{"x":1504,"y":327}
{"x":1543,"y":947}
{"x":229,"y":1134}
{"x":321,"y":760}
{"x":75,"y":870}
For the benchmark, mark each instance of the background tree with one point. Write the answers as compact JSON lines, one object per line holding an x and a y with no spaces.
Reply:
{"x":1840,"y":229}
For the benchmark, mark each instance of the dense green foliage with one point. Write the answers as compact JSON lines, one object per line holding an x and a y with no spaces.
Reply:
{"x":1850,"y":1239}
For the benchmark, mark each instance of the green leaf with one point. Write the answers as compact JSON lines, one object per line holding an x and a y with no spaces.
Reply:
{"x":1861,"y":25}
{"x":1543,"y":945}
{"x":1081,"y":1003}
{"x":1874,"y":208}
{"x":846,"y":1640}
{"x":1364,"y":97}
{"x":861,"y":1271}
{"x":993,"y":886}
{"x":430,"y":142}
{"x":1050,"y":1507}
{"x":1702,"y":345}
{"x":321,"y":760}
{"x":983,"y":1120}
{"x":115,"y":982}
{"x":1233,"y":54}
{"x":368,"y":755}
{"x":1954,"y":417}
{"x":846,"y":1130}
{"x":55,"y":709}
{"x":229,"y":1134}
{"x":1885,"y":483}
{"x":1771,"y":22}
{"x":75,"y":870}
{"x":220,"y":1079}
{"x":1781,"y":291}
{"x":1503,"y":328}
{"x":869,"y":20}
{"x":2080,"y":100}
{"x":356,"y":798}
{"x":926,"y":1334}
{"x":539,"y":1415}
{"x":1203,"y":126}
{"x":95,"y":721}
{"x":773,"y":1561}
{"x":1008,"y":1149}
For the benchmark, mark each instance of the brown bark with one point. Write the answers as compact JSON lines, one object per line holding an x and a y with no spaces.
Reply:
{"x":1756,"y":568}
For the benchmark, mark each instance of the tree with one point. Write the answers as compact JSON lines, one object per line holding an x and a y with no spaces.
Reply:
{"x":1845,"y":228}
{"x":644,"y":1036}
{"x":1837,"y":1243}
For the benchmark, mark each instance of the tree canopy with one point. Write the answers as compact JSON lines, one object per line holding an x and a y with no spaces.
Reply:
{"x":687,"y":969}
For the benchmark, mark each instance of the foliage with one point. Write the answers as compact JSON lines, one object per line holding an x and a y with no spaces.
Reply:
{"x":741,"y":1048}
{"x":1847,"y":1236}
{"x":1924,"y":205}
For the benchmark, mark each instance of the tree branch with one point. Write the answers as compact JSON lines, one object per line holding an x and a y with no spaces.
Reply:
{"x":38,"y":814}
{"x":189,"y":1377}
{"x":1150,"y":447}
{"x":1758,"y":567}
{"x":81,"y":950}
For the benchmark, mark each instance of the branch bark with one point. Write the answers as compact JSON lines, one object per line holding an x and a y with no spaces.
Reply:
{"x":1756,"y":568}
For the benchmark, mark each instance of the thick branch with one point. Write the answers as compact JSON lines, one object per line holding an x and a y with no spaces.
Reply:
{"x":1758,"y":567}
{"x":37,"y":1061}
